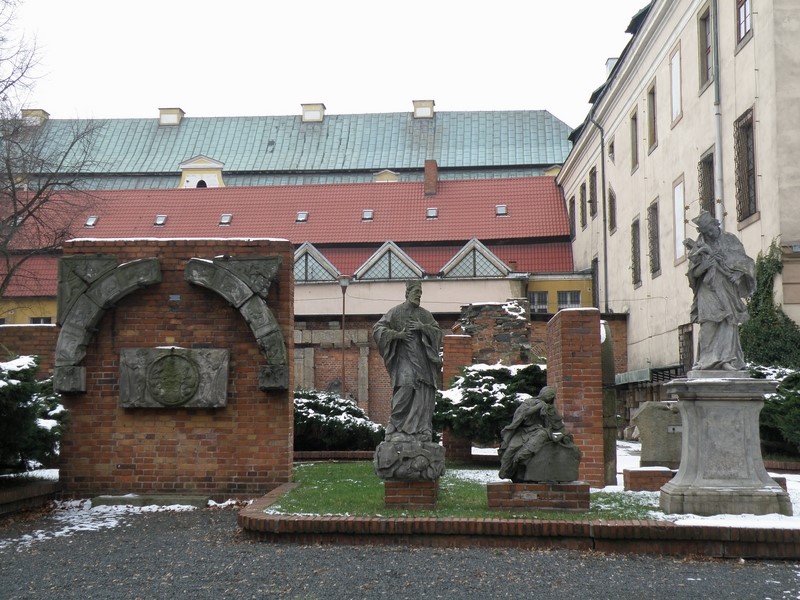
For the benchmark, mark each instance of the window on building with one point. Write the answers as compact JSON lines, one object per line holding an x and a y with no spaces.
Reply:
{"x":40,"y":320}
{"x":309,"y":268}
{"x":2,"y":320}
{"x":686,"y":346}
{"x":705,"y":182}
{"x":652,"y":118}
{"x":391,"y":266}
{"x":745,"y":166}
{"x":571,"y":212}
{"x":679,"y":208}
{"x":744,"y":20}
{"x":611,"y":151}
{"x":634,"y":141}
{"x":538,"y":301}
{"x":676,"y":100}
{"x":593,"y":192}
{"x":612,"y":211}
{"x":653,"y":246}
{"x":569,"y":299}
{"x":704,"y":33}
{"x":582,"y":194}
{"x":636,"y":256}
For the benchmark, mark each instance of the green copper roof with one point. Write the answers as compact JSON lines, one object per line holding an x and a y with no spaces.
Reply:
{"x":362,"y":142}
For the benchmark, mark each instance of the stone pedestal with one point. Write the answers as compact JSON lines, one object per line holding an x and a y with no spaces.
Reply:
{"x":721,"y":470}
{"x":409,"y":461}
{"x":572,"y":496}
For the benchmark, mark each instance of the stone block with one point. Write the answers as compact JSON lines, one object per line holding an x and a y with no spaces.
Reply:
{"x":409,"y":461}
{"x":660,"y":427}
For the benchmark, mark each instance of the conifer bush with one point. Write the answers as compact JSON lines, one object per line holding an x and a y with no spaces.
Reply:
{"x":31,"y":417}
{"x":324,"y":421}
{"x":483,"y":399}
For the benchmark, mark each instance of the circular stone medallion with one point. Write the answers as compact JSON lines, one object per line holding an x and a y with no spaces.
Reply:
{"x":172,"y":380}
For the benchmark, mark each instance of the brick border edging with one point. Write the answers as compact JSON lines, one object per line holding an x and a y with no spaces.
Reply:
{"x":634,"y":536}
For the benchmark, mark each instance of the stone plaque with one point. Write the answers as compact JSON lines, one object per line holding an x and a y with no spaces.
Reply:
{"x":173,"y":378}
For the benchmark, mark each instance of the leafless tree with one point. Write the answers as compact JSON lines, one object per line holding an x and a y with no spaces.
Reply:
{"x":43,"y":164}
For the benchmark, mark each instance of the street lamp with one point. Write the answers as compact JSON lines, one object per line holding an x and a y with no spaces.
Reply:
{"x":344,"y":281}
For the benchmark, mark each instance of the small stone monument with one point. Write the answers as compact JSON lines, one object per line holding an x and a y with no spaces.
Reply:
{"x":540,"y":458}
{"x":408,"y":461}
{"x":721,"y":469}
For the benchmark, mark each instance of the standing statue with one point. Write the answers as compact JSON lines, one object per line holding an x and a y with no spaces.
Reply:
{"x":535,"y":446}
{"x":720,"y":275}
{"x":409,"y":340}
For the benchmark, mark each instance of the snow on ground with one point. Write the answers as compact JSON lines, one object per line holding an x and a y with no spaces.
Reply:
{"x":628,"y":458}
{"x":71,"y":517}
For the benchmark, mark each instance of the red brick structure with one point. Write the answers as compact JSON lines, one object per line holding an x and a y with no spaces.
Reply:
{"x":413,"y":495}
{"x":244,"y":447}
{"x":574,"y":369}
{"x":29,"y":340}
{"x":569,"y":496}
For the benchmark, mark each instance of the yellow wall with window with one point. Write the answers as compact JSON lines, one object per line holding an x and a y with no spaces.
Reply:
{"x":23,"y":311}
{"x":567,"y":283}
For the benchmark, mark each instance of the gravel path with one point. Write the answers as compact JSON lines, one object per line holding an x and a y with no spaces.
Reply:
{"x":201,"y":554}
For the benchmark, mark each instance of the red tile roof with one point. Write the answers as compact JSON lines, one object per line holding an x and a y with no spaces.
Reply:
{"x":38,"y":276}
{"x":466,"y":209}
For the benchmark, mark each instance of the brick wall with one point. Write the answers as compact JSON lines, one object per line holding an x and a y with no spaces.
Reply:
{"x":573,"y":368}
{"x":29,"y":340}
{"x":243,"y":448}
{"x":500,"y":332}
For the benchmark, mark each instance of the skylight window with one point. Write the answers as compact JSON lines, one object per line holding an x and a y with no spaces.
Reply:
{"x":432,"y":213}
{"x":225,"y":219}
{"x":367,"y":214}
{"x":90,"y":221}
{"x":160,"y":220}
{"x":501,"y":210}
{"x":302,"y":216}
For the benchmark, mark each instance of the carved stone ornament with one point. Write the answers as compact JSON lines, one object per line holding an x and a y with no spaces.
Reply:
{"x":244,"y":283}
{"x":87,"y":287}
{"x":173,"y":377}
{"x":409,"y":461}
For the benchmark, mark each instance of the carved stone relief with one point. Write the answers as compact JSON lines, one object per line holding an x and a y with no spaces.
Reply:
{"x":173,"y":377}
{"x":244,"y":283}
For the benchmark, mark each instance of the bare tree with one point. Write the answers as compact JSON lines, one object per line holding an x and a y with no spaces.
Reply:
{"x":43,"y":164}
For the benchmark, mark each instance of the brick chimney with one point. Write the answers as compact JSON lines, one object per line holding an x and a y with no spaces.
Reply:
{"x":431,"y":177}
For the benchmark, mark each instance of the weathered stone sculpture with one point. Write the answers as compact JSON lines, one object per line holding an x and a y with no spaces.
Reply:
{"x":535,"y":447}
{"x":720,"y":275}
{"x":409,"y":340}
{"x":721,"y":470}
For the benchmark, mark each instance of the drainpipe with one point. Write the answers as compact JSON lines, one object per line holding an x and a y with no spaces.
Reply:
{"x":719,"y":209}
{"x":605,"y":211}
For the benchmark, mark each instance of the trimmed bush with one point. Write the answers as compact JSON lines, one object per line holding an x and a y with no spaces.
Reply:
{"x":483,"y":399}
{"x":324,"y":421}
{"x":31,"y":418}
{"x":779,"y":421}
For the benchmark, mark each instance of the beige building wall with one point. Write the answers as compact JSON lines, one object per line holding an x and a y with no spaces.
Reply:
{"x":762,"y":74}
{"x":23,"y":311}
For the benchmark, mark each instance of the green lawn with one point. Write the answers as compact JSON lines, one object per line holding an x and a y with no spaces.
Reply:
{"x":351,"y":488}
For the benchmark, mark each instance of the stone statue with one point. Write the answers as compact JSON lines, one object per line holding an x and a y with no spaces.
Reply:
{"x":720,"y":275}
{"x":535,"y":447}
{"x":409,"y":340}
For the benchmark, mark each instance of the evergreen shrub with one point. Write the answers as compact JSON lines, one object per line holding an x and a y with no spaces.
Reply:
{"x":324,"y":421}
{"x":483,"y":399}
{"x":31,"y":417}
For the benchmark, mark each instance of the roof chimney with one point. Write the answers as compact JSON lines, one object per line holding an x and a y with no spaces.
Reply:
{"x":313,"y":113}
{"x":431,"y":177}
{"x":423,"y":109}
{"x":170,"y":116}
{"x":34,"y":116}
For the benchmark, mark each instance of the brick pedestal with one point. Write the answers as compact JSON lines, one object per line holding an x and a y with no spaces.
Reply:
{"x":414,"y":495}
{"x":571,"y":496}
{"x":648,"y":479}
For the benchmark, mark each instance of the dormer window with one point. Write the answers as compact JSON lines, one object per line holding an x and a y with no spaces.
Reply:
{"x":432,"y":213}
{"x":302,"y":216}
{"x":501,"y":210}
{"x":90,"y":221}
{"x":160,"y":220}
{"x":367,"y":214}
{"x":313,"y":113}
{"x":225,"y":219}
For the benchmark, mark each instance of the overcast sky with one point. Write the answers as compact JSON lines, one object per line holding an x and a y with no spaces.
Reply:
{"x":106,"y":58}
